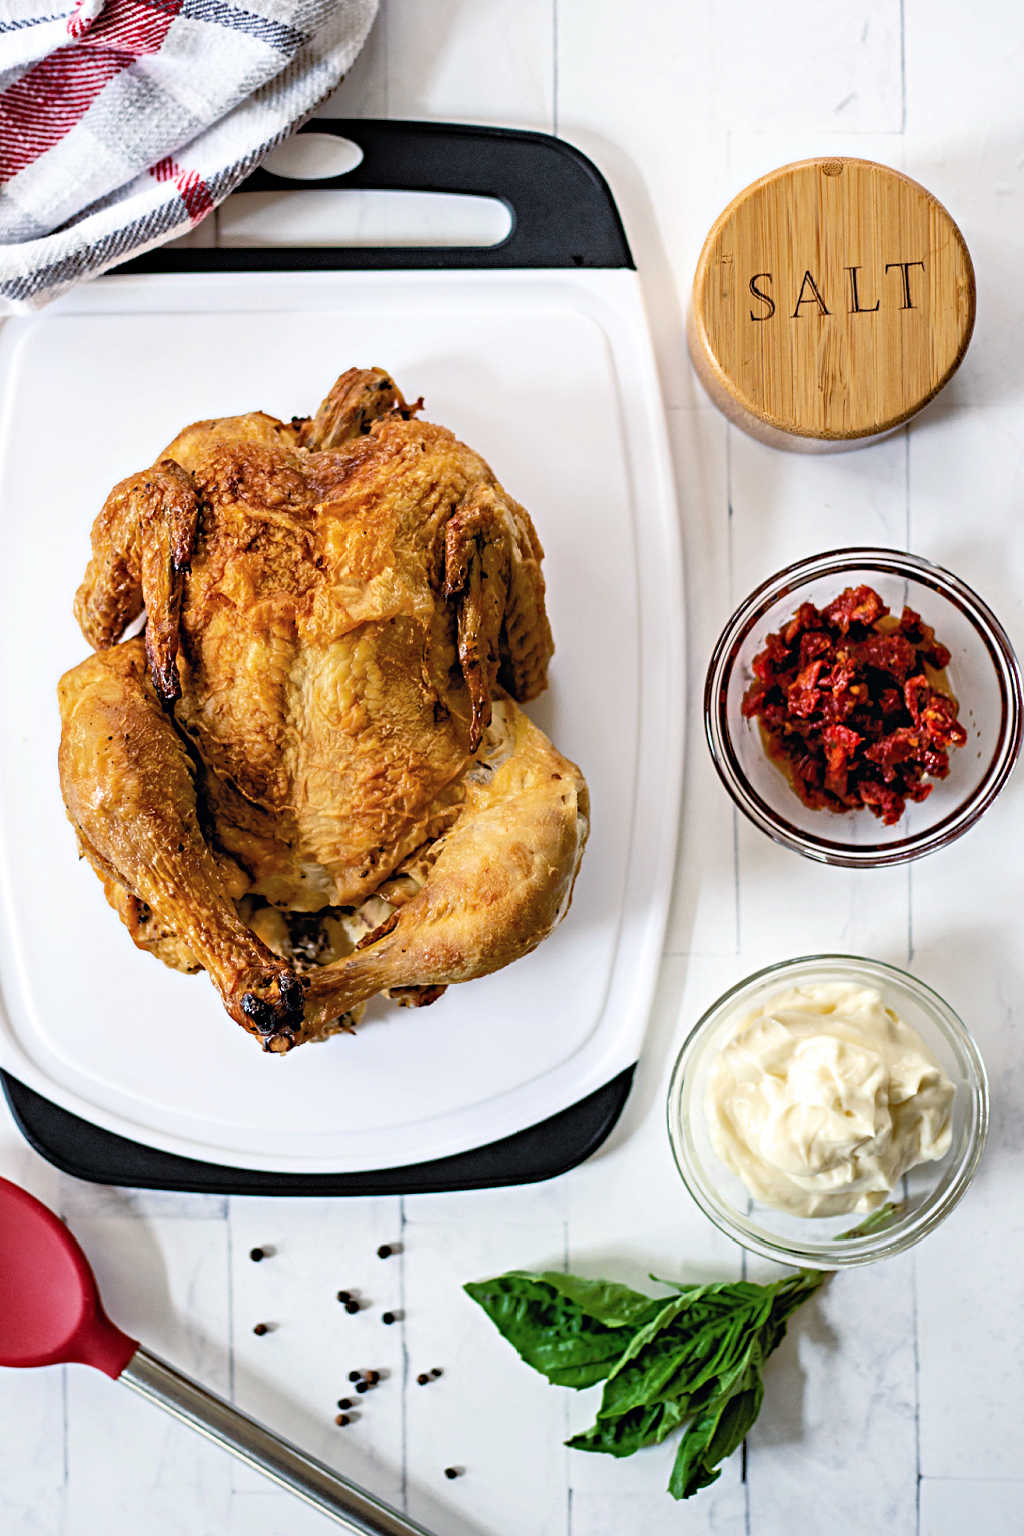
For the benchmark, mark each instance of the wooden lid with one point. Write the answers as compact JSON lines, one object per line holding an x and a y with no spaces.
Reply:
{"x":832,"y":300}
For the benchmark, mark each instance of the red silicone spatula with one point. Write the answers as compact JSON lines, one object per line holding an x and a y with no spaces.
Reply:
{"x":51,"y":1314}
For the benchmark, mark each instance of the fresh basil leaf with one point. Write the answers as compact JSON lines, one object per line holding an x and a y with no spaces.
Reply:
{"x":795,"y":1289}
{"x":713,"y":1435}
{"x":873,"y":1223}
{"x":724,"y":1424}
{"x":708,"y":1346}
{"x":789,"y":1295}
{"x":631,"y":1432}
{"x":553,"y":1332}
{"x":778,"y":1299}
{"x":617,"y":1306}
{"x":654,"y":1344}
{"x":693,"y":1359}
{"x":726,"y":1353}
{"x":669,"y":1363}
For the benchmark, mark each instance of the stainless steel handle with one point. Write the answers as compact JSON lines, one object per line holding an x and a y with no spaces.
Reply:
{"x":258,"y":1447}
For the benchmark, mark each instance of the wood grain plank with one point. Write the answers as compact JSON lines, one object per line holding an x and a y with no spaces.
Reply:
{"x":481,"y":61}
{"x":364,"y":90}
{"x":130,"y":1466}
{"x":293,"y":1376}
{"x":629,"y":1216}
{"x":949,"y":1506}
{"x":272,"y":1513}
{"x":489,"y":1416}
{"x":815,"y":69}
{"x":970,"y":158}
{"x":966,"y":938}
{"x":637,"y":96}
{"x":839,"y":1410}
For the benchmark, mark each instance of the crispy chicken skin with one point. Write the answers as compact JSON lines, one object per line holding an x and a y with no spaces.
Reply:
{"x":321,"y":717}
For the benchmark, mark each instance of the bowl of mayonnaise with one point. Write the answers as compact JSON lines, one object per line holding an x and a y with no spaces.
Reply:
{"x":828,"y":1111}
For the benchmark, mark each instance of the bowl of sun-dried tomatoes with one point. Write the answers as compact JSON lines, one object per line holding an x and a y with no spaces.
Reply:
{"x":864,"y":707}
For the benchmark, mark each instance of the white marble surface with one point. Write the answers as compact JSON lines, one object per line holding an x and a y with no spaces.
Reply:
{"x":895,"y":1404}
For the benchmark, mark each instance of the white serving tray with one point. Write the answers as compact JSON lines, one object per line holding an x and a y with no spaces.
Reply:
{"x":551,"y":376}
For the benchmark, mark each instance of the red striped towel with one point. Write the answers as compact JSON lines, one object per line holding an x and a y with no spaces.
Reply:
{"x":124,"y":122}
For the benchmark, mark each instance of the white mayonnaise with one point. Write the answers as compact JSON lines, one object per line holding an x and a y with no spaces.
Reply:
{"x":822,"y":1098}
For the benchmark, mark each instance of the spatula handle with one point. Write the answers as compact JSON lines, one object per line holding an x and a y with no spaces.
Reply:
{"x":352,"y":1508}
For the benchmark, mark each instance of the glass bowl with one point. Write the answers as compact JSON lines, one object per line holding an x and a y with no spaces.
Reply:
{"x":926,"y":1194}
{"x":984,"y":675}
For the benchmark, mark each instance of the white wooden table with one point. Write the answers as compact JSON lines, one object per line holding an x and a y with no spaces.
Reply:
{"x":896,"y":1403}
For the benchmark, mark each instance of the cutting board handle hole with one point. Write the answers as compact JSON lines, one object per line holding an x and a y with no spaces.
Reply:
{"x":314,"y":157}
{"x":353,"y":217}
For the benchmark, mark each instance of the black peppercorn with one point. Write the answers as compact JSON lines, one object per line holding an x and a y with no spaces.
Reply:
{"x":260,"y":1329}
{"x":422,"y":1379}
{"x":451,"y":1472}
{"x":436,"y":1372}
{"x":362,"y":1386}
{"x":344,"y":1296}
{"x":256,"y":1254}
{"x":354,"y":1375}
{"x":351,"y":1306}
{"x":388,"y":1318}
{"x":385,"y":1251}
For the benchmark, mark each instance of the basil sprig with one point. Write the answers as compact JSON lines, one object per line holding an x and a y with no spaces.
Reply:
{"x":693,"y":1359}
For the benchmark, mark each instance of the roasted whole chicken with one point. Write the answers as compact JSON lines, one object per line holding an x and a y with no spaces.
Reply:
{"x":310,"y":775}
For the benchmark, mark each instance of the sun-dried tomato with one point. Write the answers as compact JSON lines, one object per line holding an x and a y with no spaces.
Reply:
{"x":806,"y":617}
{"x":922,"y":636}
{"x":815,"y":644}
{"x":846,"y":705}
{"x":887,"y":653}
{"x":939,"y":718}
{"x":886,"y":802}
{"x":857,"y":605}
{"x":840,"y":746}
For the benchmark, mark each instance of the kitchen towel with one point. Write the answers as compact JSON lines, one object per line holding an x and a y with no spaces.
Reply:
{"x":124,"y":122}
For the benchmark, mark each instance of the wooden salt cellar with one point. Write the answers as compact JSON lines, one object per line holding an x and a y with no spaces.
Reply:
{"x":832,"y":300}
